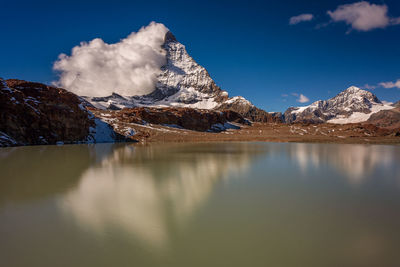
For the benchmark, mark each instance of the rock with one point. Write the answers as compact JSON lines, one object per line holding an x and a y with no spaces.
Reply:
{"x":386,"y":118}
{"x":184,"y":118}
{"x":248,"y":110}
{"x":34,"y":114}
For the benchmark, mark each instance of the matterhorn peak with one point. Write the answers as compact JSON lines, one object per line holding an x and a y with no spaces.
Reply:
{"x":169,"y":37}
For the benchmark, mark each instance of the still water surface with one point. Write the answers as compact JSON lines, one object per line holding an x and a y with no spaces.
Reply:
{"x":233,"y":204}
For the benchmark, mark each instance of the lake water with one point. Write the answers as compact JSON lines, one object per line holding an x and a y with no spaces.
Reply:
{"x":231,"y":204}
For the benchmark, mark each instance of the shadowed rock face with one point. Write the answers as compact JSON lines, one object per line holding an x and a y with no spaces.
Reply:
{"x":34,"y":113}
{"x":397,"y":104}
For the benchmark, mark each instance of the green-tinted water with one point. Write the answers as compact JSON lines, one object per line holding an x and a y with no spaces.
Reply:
{"x":240,"y":204}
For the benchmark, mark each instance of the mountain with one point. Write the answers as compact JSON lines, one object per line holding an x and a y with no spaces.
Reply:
{"x":183,"y":83}
{"x":350,"y":106}
{"x":38,"y":114}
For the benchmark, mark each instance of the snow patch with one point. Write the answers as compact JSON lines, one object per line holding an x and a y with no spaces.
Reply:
{"x":239,"y":99}
{"x":101,"y":133}
{"x":359,"y":116}
{"x":129,"y":132}
{"x":299,"y":109}
{"x":219,"y":127}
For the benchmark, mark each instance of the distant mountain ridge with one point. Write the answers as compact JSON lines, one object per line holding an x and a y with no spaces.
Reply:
{"x":353,"y":105}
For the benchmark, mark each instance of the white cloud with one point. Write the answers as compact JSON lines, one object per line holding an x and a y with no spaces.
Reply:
{"x":128,"y":67}
{"x":302,"y":99}
{"x":300,"y":18}
{"x":363,"y":16}
{"x":395,"y":21}
{"x":395,"y":84}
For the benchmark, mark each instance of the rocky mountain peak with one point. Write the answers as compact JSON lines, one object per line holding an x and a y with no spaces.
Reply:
{"x":353,"y":89}
{"x":169,"y":37}
{"x":358,"y":94}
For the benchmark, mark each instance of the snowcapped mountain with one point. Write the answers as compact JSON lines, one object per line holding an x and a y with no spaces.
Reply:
{"x":350,"y":106}
{"x":182,"y":83}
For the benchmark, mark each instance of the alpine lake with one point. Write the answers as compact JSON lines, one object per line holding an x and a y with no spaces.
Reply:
{"x":200,"y":204}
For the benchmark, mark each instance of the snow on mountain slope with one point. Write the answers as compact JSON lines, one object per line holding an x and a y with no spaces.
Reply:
{"x":350,"y":106}
{"x":359,"y":116}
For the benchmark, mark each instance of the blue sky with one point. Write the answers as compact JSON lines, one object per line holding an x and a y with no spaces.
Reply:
{"x":248,"y":47}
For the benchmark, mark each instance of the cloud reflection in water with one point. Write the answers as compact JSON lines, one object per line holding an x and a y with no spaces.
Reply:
{"x":145,"y":191}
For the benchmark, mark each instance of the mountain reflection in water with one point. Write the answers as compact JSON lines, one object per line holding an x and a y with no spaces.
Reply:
{"x":137,"y":189}
{"x":357,"y":162}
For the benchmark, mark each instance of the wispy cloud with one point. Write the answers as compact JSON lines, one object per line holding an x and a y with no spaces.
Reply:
{"x":395,"y":84}
{"x":303,"y":99}
{"x":363,"y":16}
{"x":395,"y":21}
{"x":369,"y":87}
{"x":300,"y":18}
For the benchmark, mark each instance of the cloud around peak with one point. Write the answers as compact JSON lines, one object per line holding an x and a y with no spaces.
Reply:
{"x":128,"y":67}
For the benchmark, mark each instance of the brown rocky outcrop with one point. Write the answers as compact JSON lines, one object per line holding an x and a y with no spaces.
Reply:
{"x":249,"y":111}
{"x":186,"y":118}
{"x":33,"y":113}
{"x":389,"y":119}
